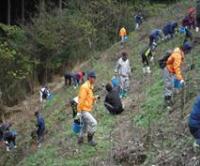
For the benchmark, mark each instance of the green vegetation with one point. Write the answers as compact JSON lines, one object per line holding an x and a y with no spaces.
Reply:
{"x":164,"y":134}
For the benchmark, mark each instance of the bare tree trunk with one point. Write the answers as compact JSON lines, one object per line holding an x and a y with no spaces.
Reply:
{"x":22,"y":13}
{"x":42,"y":6}
{"x":8,"y":11}
{"x":60,"y":5}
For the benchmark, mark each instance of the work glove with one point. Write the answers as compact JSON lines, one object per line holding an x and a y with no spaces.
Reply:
{"x":182,"y":83}
{"x":78,"y":115}
{"x":152,"y":59}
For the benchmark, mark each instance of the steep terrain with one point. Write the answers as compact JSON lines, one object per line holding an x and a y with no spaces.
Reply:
{"x":145,"y":133}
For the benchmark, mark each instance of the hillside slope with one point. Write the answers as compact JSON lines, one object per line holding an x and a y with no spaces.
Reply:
{"x":145,"y":133}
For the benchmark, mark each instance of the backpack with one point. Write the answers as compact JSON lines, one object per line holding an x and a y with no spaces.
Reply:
{"x":163,"y":61}
{"x":44,"y":93}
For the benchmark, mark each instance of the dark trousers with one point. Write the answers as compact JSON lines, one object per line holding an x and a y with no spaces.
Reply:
{"x":145,"y":60}
{"x":151,"y":40}
{"x":11,"y":141}
{"x":68,"y":79}
{"x":40,"y":134}
{"x":196,"y":133}
{"x":114,"y":111}
{"x":198,"y":21}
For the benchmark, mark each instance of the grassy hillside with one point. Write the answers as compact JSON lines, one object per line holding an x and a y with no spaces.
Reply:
{"x":145,"y":134}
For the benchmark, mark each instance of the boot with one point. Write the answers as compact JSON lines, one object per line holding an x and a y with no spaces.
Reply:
{"x":80,"y":140}
{"x":148,"y":69}
{"x":90,"y":140}
{"x":168,"y":102}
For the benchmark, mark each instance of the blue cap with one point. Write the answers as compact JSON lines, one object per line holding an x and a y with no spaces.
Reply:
{"x":92,"y":74}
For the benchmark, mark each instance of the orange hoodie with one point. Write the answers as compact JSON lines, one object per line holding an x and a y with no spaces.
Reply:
{"x":174,"y":63}
{"x":86,"y":97}
{"x":122,"y":32}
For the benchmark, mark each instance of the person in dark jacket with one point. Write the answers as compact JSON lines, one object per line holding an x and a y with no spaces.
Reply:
{"x":189,"y":21}
{"x":112,"y":101}
{"x":169,"y":29}
{"x":4,"y":127}
{"x":9,"y":138}
{"x":40,"y":127}
{"x":154,"y":36}
{"x":138,"y":21}
{"x":194,"y":121}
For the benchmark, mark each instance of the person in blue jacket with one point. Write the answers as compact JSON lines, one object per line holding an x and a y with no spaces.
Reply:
{"x":40,"y":124}
{"x":154,"y":36}
{"x":194,"y":121}
{"x":169,"y":29}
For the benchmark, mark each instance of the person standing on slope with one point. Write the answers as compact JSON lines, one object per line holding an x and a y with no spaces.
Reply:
{"x":40,"y":124}
{"x":123,"y":36}
{"x":86,"y":101}
{"x":172,"y":71}
{"x":138,"y":21}
{"x":124,"y":71}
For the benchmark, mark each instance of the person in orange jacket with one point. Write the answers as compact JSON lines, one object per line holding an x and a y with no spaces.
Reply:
{"x":173,"y":71}
{"x":122,"y":34}
{"x":86,"y":100}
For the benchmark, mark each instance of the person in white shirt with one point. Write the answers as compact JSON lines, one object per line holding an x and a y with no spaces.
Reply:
{"x":44,"y":93}
{"x":124,"y":71}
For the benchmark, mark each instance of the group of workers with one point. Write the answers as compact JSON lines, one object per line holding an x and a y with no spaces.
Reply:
{"x":117,"y":89}
{"x":8,"y":136}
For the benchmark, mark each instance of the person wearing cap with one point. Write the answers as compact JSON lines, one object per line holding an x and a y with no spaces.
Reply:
{"x":122,"y":34}
{"x":86,"y":100}
{"x":124,"y":71}
{"x":173,"y":71}
{"x":154,"y":36}
{"x":112,"y":100}
{"x":194,"y":121}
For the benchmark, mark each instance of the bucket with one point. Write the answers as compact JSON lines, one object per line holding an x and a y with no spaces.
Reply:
{"x":177,"y":84}
{"x":76,"y":127}
{"x":126,"y":38}
{"x":50,"y":97}
{"x":182,"y":30}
